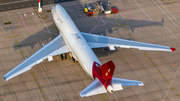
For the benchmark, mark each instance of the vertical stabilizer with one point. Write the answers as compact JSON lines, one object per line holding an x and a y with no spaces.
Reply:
{"x":107,"y":71}
{"x":104,"y":80}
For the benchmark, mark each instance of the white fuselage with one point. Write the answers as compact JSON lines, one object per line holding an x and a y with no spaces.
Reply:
{"x":74,"y":40}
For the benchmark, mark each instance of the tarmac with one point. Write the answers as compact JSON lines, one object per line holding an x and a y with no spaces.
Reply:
{"x":153,"y":21}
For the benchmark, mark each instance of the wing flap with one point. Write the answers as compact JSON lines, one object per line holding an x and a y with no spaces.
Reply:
{"x":97,"y":41}
{"x":54,"y":47}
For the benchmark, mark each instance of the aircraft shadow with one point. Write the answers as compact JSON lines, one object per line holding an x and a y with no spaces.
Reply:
{"x":131,"y":24}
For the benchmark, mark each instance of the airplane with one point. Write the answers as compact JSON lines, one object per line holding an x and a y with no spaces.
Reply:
{"x":80,"y":45}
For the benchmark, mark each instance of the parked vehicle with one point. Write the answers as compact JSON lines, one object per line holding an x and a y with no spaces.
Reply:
{"x":105,"y":7}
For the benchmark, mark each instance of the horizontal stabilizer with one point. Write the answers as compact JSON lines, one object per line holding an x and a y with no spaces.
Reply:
{"x":126,"y":82}
{"x":96,"y":87}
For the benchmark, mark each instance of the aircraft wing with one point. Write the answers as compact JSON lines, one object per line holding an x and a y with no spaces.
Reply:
{"x":98,"y":41}
{"x":54,"y":47}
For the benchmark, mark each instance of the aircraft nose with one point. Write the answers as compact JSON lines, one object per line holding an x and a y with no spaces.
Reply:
{"x":58,"y":5}
{"x":53,"y":8}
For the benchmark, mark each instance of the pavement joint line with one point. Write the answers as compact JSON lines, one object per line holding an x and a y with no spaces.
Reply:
{"x":18,"y":45}
{"x":35,"y":79}
{"x":41,"y":91}
{"x":103,"y":97}
{"x":142,"y":9}
{"x":155,"y":66}
{"x":149,"y":59}
{"x":141,"y":29}
{"x":126,"y":29}
{"x":145,"y":54}
{"x":25,"y":23}
{"x":38,"y":85}
{"x":168,"y":12}
{"x":50,"y":81}
{"x":178,"y":95}
{"x":163,"y":76}
{"x":44,"y":98}
{"x":31,"y":71}
{"x":164,"y":12}
{"x":111,"y":14}
{"x":13,"y":36}
{"x":9,"y":39}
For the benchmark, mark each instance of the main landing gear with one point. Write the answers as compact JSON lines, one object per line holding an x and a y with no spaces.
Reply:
{"x":64,"y":56}
{"x":73,"y":59}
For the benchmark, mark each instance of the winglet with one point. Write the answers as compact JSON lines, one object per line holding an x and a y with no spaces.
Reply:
{"x":141,"y":84}
{"x":173,"y":49}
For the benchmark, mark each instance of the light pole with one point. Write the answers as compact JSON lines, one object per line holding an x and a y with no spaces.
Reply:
{"x":39,"y":8}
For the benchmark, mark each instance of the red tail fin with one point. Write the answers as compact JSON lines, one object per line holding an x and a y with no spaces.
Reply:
{"x":107,"y":71}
